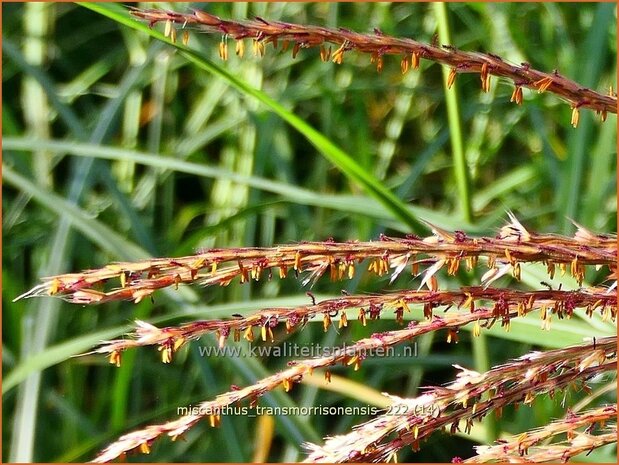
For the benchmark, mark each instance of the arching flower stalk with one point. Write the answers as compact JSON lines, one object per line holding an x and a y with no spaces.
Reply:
{"x":504,"y":253}
{"x":597,"y":426}
{"x":262,"y":324}
{"x":300,"y":36}
{"x":471,"y":397}
{"x":588,"y":359}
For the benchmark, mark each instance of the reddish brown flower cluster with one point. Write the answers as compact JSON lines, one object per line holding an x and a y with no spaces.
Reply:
{"x":477,"y":305}
{"x":583,"y":432}
{"x":299,"y":36}
{"x":444,"y":250}
{"x":471,"y":397}
{"x":544,"y":372}
{"x":484,"y":306}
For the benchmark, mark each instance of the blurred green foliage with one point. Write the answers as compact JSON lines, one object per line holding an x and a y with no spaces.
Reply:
{"x":116,"y":148}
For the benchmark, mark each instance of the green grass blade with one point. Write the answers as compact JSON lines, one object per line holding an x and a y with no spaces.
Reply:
{"x":455,"y":126}
{"x":570,"y":195}
{"x":359,"y":205}
{"x":96,"y":231}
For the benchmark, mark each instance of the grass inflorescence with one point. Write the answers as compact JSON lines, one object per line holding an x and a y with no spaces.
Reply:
{"x":484,"y":306}
{"x":480,"y":306}
{"x":512,"y":246}
{"x":377,"y":45}
{"x":194,"y":189}
{"x":470,"y":397}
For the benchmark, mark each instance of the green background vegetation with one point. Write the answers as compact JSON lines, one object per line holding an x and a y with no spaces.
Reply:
{"x":117,"y":147}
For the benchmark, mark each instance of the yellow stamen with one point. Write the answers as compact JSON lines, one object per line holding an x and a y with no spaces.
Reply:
{"x":362,"y":317}
{"x":338,"y":55}
{"x":258,"y":47}
{"x":295,"y":49}
{"x":379,"y":64}
{"x":297,"y":261}
{"x":543,"y":84}
{"x":115,"y":358}
{"x":550,"y":268}
{"x":263,"y":333}
{"x":223,"y":50}
{"x":485,"y":78}
{"x":476,"y":329}
{"x":516,"y":271}
{"x":468,"y":301}
{"x":452,"y":78}
{"x":575,"y":117}
{"x":166,"y":354}
{"x":351,"y":271}
{"x":404,"y":65}
{"x":240,"y":48}
{"x":415,"y":61}
{"x":54,"y":287}
{"x":517,"y":95}
{"x":325,"y":53}
{"x":178,"y":343}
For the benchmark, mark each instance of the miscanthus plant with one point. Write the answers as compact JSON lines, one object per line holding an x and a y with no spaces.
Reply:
{"x":427,"y":274}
